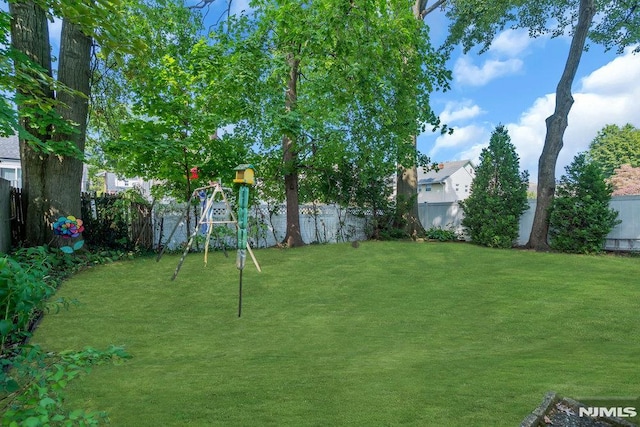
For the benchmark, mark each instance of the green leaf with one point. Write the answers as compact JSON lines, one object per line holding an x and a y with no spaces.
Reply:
{"x":66,"y":249}
{"x":46,"y":402}
{"x":11,"y":386}
{"x":5,"y":327}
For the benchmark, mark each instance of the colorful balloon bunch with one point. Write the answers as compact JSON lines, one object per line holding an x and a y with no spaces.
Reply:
{"x":68,"y":227}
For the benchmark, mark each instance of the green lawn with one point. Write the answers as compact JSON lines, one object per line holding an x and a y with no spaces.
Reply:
{"x":390,"y":333}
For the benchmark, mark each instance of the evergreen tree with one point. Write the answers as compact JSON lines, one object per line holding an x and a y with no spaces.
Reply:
{"x":498,"y":194}
{"x":580,"y":217}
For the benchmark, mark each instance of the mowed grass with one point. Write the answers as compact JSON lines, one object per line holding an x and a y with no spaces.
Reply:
{"x":390,"y":333}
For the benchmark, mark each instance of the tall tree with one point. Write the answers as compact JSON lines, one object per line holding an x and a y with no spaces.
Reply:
{"x":498,"y":194}
{"x":615,"y":146}
{"x":315,"y":90}
{"x":556,"y":125}
{"x":407,"y":174}
{"x":580,"y":217}
{"x":476,"y":22}
{"x":30,"y":36}
{"x":53,"y":113}
{"x":152,"y":114}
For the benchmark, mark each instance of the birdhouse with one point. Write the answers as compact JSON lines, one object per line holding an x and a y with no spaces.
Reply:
{"x":244,"y":174}
{"x":193,"y":173}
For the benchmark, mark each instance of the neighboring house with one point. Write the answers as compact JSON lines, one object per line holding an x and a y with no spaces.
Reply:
{"x":115,"y":184}
{"x":451,"y":182}
{"x":10,"y":168}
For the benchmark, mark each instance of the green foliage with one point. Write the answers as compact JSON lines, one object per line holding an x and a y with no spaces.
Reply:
{"x":32,"y":384}
{"x":580,"y":217}
{"x":615,"y":146}
{"x":442,"y":234}
{"x":108,"y":219}
{"x":351,"y":119}
{"x":498,"y":194}
{"x":23,"y":295}
{"x":153,"y":117}
{"x":477,"y":22}
{"x":32,"y":380}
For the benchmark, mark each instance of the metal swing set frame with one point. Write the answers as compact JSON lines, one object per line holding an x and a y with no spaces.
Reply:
{"x":206,"y":219}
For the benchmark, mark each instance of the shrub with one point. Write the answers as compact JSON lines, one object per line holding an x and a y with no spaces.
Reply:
{"x":580,"y":217}
{"x":441,"y":234}
{"x":498,"y":194}
{"x":31,"y":379}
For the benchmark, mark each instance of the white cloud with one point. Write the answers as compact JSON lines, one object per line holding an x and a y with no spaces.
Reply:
{"x":458,"y":111}
{"x":461,"y":137}
{"x":465,"y":72}
{"x":607,"y":96}
{"x":528,"y":134}
{"x":618,"y":76}
{"x":511,"y":43}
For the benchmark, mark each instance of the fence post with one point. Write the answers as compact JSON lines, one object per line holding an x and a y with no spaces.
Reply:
{"x":5,"y":216}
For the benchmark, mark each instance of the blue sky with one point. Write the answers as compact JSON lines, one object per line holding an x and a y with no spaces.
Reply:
{"x":514,"y":84}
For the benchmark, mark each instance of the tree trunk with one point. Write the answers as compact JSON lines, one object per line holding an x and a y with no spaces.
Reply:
{"x":64,"y":173}
{"x":407,"y":196}
{"x":30,"y":35}
{"x":293,"y":236}
{"x":51,"y":183}
{"x":407,"y":177}
{"x":556,"y":125}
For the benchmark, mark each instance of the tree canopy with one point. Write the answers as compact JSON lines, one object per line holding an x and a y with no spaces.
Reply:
{"x":308,"y":81}
{"x":614,"y":146}
{"x":153,"y":113}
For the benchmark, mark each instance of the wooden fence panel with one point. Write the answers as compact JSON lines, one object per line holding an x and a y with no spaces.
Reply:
{"x":5,"y":216}
{"x":18,"y":217}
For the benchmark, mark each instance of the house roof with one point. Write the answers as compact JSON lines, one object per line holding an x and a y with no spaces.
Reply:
{"x":9,"y":147}
{"x":440,"y":175}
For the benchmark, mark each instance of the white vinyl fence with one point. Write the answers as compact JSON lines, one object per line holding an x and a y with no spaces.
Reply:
{"x":330,"y":224}
{"x":266,"y":227}
{"x":624,"y":237}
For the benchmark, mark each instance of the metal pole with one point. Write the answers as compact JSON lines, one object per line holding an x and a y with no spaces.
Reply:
{"x":240,"y":296}
{"x":243,"y":202}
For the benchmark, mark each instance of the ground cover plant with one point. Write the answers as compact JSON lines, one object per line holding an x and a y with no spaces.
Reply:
{"x":388,"y":333}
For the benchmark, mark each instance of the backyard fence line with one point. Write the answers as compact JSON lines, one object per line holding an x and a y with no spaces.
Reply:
{"x":150,"y":226}
{"x":266,"y":226}
{"x":624,"y":236}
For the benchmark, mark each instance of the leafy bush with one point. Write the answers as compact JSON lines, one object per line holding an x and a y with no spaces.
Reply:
{"x":108,"y":219}
{"x":31,"y":385}
{"x":23,"y":294}
{"x":498,"y":194}
{"x":580,"y":217}
{"x":441,"y":234}
{"x":31,"y":380}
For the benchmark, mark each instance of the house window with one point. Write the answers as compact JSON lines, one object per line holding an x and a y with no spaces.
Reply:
{"x":13,"y":175}
{"x":427,"y":187}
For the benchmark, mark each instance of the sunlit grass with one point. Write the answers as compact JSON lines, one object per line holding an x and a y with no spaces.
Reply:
{"x":389,"y":333}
